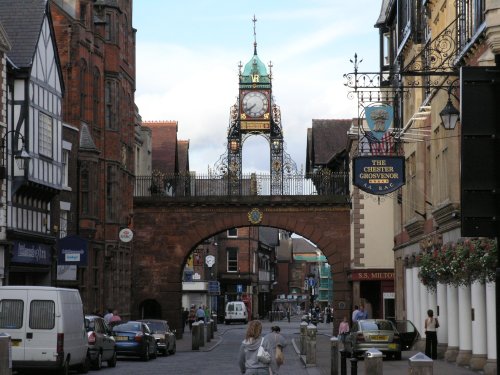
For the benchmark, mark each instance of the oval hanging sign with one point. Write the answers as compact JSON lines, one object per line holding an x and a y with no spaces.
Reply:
{"x":126,"y":235}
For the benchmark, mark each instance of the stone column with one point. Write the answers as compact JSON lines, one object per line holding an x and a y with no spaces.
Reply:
{"x":416,"y":300}
{"x":452,"y":302}
{"x":409,"y":294}
{"x":423,"y":303}
{"x":491,"y":321}
{"x":441,"y":313}
{"x":5,"y":354}
{"x":478,"y":303}
{"x":465,"y":331}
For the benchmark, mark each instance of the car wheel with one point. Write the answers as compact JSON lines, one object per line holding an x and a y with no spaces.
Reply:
{"x":64,"y":370}
{"x":154,"y":353}
{"x":85,"y":365}
{"x":226,"y":322}
{"x":172,"y":351}
{"x":97,"y":363}
{"x":397,"y":356}
{"x":112,"y":361}
{"x":145,"y":356}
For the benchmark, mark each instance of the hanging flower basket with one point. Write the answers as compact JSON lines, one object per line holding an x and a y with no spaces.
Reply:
{"x":459,"y":263}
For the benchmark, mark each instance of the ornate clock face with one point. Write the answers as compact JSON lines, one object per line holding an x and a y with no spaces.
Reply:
{"x":255,"y":104}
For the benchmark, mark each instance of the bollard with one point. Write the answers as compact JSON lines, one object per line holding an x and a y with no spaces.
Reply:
{"x":303,"y":332}
{"x":420,"y":364}
{"x":311,"y":344}
{"x":354,"y":366}
{"x":373,"y":362}
{"x":201,"y":333}
{"x":195,"y":340}
{"x":214,"y":318}
{"x":5,"y":354}
{"x":334,"y":366}
{"x":212,"y":328}
{"x":343,"y":362}
{"x":209,"y":331}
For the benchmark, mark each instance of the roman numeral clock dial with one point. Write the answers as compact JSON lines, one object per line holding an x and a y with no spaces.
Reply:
{"x":255,"y":104}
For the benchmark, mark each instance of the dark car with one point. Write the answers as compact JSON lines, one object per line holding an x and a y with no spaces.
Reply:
{"x":165,"y":338}
{"x":101,"y":342}
{"x":380,"y":334}
{"x":134,"y":338}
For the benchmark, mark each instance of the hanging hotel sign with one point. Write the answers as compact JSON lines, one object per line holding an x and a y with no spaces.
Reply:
{"x":378,"y":175}
{"x":379,"y":118}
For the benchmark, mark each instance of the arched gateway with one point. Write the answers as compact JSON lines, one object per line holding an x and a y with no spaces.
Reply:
{"x":168,"y":229}
{"x":175,"y":213}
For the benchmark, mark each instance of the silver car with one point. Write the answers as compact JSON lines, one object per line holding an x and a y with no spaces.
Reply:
{"x":165,"y":338}
{"x":102,"y":345}
{"x":379,"y":334}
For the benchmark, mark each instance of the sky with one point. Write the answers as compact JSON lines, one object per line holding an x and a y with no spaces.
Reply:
{"x":187,"y":58}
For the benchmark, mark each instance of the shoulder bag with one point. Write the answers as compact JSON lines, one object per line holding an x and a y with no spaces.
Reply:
{"x":262,"y":354}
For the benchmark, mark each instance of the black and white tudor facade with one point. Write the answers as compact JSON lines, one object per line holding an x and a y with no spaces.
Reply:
{"x":34,"y":91}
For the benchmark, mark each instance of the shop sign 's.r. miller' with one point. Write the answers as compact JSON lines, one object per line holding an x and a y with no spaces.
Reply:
{"x":379,"y":175}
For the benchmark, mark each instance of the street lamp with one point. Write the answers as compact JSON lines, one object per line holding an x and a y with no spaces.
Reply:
{"x":20,"y":156}
{"x":449,"y":114}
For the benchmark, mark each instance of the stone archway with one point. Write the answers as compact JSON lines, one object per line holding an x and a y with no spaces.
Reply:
{"x":166,"y":231}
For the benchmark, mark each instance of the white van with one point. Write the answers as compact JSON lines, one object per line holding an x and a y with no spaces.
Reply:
{"x":236,"y":311}
{"x":46,"y":326}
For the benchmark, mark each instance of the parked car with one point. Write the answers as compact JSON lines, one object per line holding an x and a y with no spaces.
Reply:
{"x":102,"y":345}
{"x":378,"y":334}
{"x":236,"y":311}
{"x":165,"y":338}
{"x":46,"y":326}
{"x":134,"y":338}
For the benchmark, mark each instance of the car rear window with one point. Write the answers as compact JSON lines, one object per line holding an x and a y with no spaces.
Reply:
{"x":11,"y":313}
{"x":156,"y":326}
{"x":128,"y":327}
{"x":376,"y":326}
{"x":42,"y":314}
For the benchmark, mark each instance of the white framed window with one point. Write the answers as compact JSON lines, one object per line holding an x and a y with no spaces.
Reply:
{"x":232,"y":233}
{"x":45,"y":134}
{"x":65,"y":168}
{"x":232,"y":259}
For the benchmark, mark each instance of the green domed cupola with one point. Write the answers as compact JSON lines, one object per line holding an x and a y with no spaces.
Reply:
{"x":255,"y":71}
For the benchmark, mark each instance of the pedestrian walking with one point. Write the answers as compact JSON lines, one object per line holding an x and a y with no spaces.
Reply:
{"x":115,"y":319}
{"x":200,"y":314}
{"x":185,"y":317}
{"x":288,"y":314}
{"x":191,"y":317}
{"x":108,"y":316}
{"x":431,"y":324}
{"x":361,"y":314}
{"x":247,"y":357}
{"x":277,"y":343}
{"x":328,"y":313}
{"x":354,"y":313}
{"x":343,"y":330}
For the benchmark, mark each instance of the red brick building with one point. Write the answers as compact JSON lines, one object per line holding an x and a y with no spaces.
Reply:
{"x":96,"y":45}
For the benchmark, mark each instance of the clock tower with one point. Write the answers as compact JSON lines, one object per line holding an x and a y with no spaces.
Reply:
{"x":255,"y":113}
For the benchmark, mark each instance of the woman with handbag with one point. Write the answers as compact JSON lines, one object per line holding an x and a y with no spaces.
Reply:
{"x":431,"y":324}
{"x":278,"y":343}
{"x":254,"y":356}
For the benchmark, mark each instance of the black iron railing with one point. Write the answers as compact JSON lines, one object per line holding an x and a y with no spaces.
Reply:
{"x":196,"y":185}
